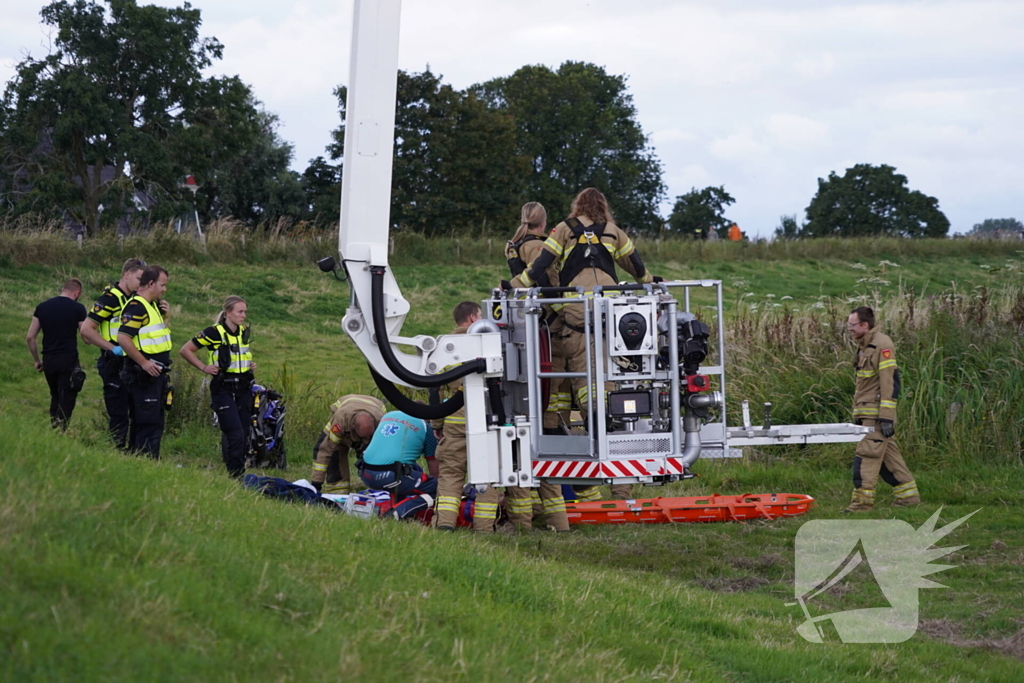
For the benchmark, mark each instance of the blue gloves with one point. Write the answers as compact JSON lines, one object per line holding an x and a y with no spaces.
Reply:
{"x":117,"y":351}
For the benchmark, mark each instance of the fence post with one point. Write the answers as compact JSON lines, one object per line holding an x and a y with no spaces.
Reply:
{"x":458,"y":247}
{"x":79,"y":239}
{"x":391,"y":245}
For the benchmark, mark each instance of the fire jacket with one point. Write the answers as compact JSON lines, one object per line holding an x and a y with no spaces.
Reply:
{"x":878,"y":378}
{"x":575,"y":252}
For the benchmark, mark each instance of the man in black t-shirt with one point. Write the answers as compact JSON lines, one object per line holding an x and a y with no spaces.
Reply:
{"x":59,"y":319}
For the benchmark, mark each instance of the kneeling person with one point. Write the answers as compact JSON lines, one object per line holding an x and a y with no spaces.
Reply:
{"x":389,"y":463}
{"x":353,"y":421}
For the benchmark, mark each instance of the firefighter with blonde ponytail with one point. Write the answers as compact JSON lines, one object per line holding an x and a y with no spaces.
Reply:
{"x":229,"y":362}
{"x":521,"y":251}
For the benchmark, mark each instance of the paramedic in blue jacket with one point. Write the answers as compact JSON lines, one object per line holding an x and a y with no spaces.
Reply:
{"x":389,"y":463}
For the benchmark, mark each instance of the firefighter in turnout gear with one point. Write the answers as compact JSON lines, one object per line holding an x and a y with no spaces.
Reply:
{"x":146,"y":341}
{"x":100,"y":329}
{"x":229,"y":362}
{"x":451,"y":453}
{"x":586,"y":248}
{"x":521,"y":252}
{"x":874,"y":405}
{"x":354,"y":418}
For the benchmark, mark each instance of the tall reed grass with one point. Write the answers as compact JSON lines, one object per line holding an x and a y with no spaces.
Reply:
{"x":228,"y":241}
{"x":960,"y":353}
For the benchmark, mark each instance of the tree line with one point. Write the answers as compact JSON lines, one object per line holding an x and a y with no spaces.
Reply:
{"x":106,"y":127}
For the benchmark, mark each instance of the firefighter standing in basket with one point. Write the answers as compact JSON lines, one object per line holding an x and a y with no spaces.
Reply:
{"x":146,"y":341}
{"x":522,"y":250}
{"x":585,"y":248}
{"x":874,"y":405}
{"x":231,"y":366}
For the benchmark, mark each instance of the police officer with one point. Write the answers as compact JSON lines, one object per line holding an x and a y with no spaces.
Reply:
{"x":586,"y":248}
{"x":59,"y":319}
{"x":452,"y":456}
{"x":389,"y":463}
{"x":146,"y":341}
{"x":231,"y":366}
{"x":100,"y":329}
{"x":874,"y":405}
{"x":354,"y":418}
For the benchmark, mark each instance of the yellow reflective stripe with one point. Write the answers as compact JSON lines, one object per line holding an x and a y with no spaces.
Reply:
{"x":554,"y":504}
{"x":455,"y":420}
{"x":888,"y":404}
{"x":525,"y":278}
{"x":520,"y":505}
{"x":448,"y":504}
{"x":625,"y":250}
{"x":891,"y":363}
{"x":590,"y":494}
{"x":866,"y":373}
{"x":865,"y":411}
{"x":554,"y":246}
{"x":339,"y":487}
{"x":903,"y":487}
{"x":485,"y":511}
{"x":317,"y":467}
{"x":334,"y":438}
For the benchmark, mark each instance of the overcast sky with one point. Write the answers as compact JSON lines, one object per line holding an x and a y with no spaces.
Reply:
{"x":761,"y":96}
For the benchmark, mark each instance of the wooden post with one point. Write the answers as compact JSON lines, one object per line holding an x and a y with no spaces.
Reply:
{"x":79,"y":239}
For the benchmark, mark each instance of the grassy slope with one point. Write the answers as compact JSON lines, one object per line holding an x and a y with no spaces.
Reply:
{"x":124,"y":569}
{"x":131,"y":569}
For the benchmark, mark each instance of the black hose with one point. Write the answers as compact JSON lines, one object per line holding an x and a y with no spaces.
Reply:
{"x":411,"y":407}
{"x":380,"y":333}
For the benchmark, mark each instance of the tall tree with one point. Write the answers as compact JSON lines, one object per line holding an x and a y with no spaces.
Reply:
{"x":992,"y":227}
{"x":872,"y":200}
{"x":455,"y":163}
{"x":699,"y":211}
{"x":256,"y":184}
{"x":119,"y":105}
{"x":788,"y":228}
{"x":578,"y":127}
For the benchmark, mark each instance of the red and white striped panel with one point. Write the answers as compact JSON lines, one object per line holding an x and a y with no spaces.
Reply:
{"x":633,"y":468}
{"x":674,"y":465}
{"x":566,"y":469}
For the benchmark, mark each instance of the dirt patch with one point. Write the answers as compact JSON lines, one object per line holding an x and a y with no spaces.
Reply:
{"x":737,"y":585}
{"x":949,"y":631}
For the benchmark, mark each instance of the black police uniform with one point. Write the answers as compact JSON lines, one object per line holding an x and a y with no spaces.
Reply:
{"x":106,"y":313}
{"x":230,"y":390}
{"x":147,"y":395}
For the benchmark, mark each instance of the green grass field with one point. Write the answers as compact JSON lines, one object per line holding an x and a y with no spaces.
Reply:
{"x":122,"y":569}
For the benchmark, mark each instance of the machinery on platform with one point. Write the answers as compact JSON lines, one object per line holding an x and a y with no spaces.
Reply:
{"x":664,"y":408}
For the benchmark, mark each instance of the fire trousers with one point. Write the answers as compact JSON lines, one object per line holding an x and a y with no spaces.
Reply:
{"x":880,"y":456}
{"x":520,"y":506}
{"x":451,"y":464}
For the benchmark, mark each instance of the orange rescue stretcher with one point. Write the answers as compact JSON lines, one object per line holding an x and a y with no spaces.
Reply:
{"x":713,"y":508}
